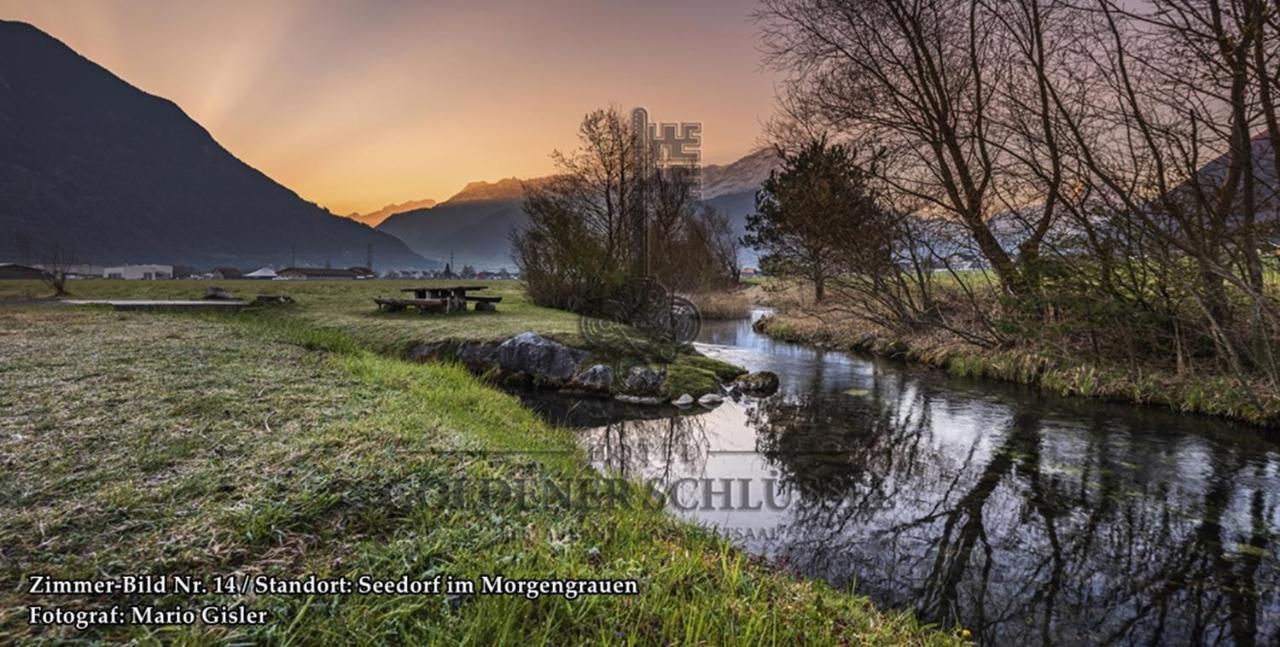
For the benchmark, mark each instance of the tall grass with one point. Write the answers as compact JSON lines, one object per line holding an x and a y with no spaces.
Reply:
{"x":1219,"y":395}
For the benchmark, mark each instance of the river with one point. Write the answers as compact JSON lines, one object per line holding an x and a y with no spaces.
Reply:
{"x":1027,"y":518}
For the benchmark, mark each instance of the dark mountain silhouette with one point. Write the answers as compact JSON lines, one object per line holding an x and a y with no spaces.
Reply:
{"x":112,"y":174}
{"x":475,"y":224}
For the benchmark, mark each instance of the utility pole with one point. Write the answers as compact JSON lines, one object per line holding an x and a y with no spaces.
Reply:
{"x":368,"y":257}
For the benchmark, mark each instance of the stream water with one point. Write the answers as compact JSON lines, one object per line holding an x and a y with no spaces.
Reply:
{"x":1026,"y":518}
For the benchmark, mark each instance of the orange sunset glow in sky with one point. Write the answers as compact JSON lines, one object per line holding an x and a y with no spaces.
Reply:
{"x":355,"y":105}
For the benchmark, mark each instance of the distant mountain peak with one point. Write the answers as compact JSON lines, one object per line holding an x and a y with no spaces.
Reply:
{"x":375,"y":218}
{"x":503,"y":190}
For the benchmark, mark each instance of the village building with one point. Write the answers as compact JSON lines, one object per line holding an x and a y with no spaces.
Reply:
{"x":82,"y":271}
{"x":139,"y":272}
{"x":262,"y":273}
{"x":314,"y":273}
{"x":16,"y":271}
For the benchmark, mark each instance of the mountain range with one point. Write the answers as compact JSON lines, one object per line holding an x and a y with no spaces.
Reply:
{"x":375,"y":218}
{"x":107,"y":173}
{"x":474,"y":226}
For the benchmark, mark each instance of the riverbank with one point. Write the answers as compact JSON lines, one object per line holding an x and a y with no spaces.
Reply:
{"x":1214,"y":395}
{"x":249,"y":444}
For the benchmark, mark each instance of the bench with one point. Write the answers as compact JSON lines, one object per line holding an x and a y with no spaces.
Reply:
{"x":485,"y":299}
{"x":423,"y":305}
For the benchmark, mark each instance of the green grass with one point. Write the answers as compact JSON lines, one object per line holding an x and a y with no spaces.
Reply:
{"x":348,"y":306}
{"x":721,"y":369}
{"x":254,"y":444}
{"x":681,"y":379}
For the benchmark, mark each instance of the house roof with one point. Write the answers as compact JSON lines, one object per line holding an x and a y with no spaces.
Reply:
{"x":318,"y":271}
{"x":20,"y":267}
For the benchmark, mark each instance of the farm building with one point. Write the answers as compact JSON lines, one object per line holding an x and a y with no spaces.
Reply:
{"x":15,"y":271}
{"x":313,"y":273}
{"x":262,"y":273}
{"x":136,"y":272}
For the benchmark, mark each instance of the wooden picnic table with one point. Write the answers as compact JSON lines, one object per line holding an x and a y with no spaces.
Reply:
{"x":454,"y":298}
{"x":445,"y":292}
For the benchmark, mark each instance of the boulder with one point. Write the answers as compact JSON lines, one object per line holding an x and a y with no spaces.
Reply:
{"x":215,"y":293}
{"x":759,"y":384}
{"x":597,"y":379}
{"x":683,"y":401}
{"x":710,"y":400}
{"x":539,"y":357}
{"x":476,"y":355}
{"x":427,"y":352}
{"x":644,"y":381}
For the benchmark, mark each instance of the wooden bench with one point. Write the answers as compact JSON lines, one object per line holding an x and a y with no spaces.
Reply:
{"x":423,"y":305}
{"x":440,"y":299}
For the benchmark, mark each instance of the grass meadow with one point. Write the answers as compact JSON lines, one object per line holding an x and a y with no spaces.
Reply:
{"x":298,"y":442}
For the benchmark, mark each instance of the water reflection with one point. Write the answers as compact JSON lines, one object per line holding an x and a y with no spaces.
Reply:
{"x":1021,"y":517}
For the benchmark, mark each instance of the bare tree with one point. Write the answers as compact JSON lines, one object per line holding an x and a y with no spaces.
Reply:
{"x":57,"y":265}
{"x":1114,"y":163}
{"x":917,"y":77}
{"x":575,"y":251}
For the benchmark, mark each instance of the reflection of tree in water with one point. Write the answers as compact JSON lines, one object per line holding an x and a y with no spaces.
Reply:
{"x":844,"y":456}
{"x":1063,"y":537}
{"x":650,"y":448}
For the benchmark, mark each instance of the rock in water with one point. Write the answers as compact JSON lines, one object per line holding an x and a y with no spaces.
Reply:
{"x":540,"y":357}
{"x":642,"y":380}
{"x":683,"y":401}
{"x":597,"y":379}
{"x":638,"y":399}
{"x":759,"y":384}
{"x":710,"y":400}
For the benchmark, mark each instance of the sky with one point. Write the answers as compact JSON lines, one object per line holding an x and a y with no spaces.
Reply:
{"x":356,"y":105}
